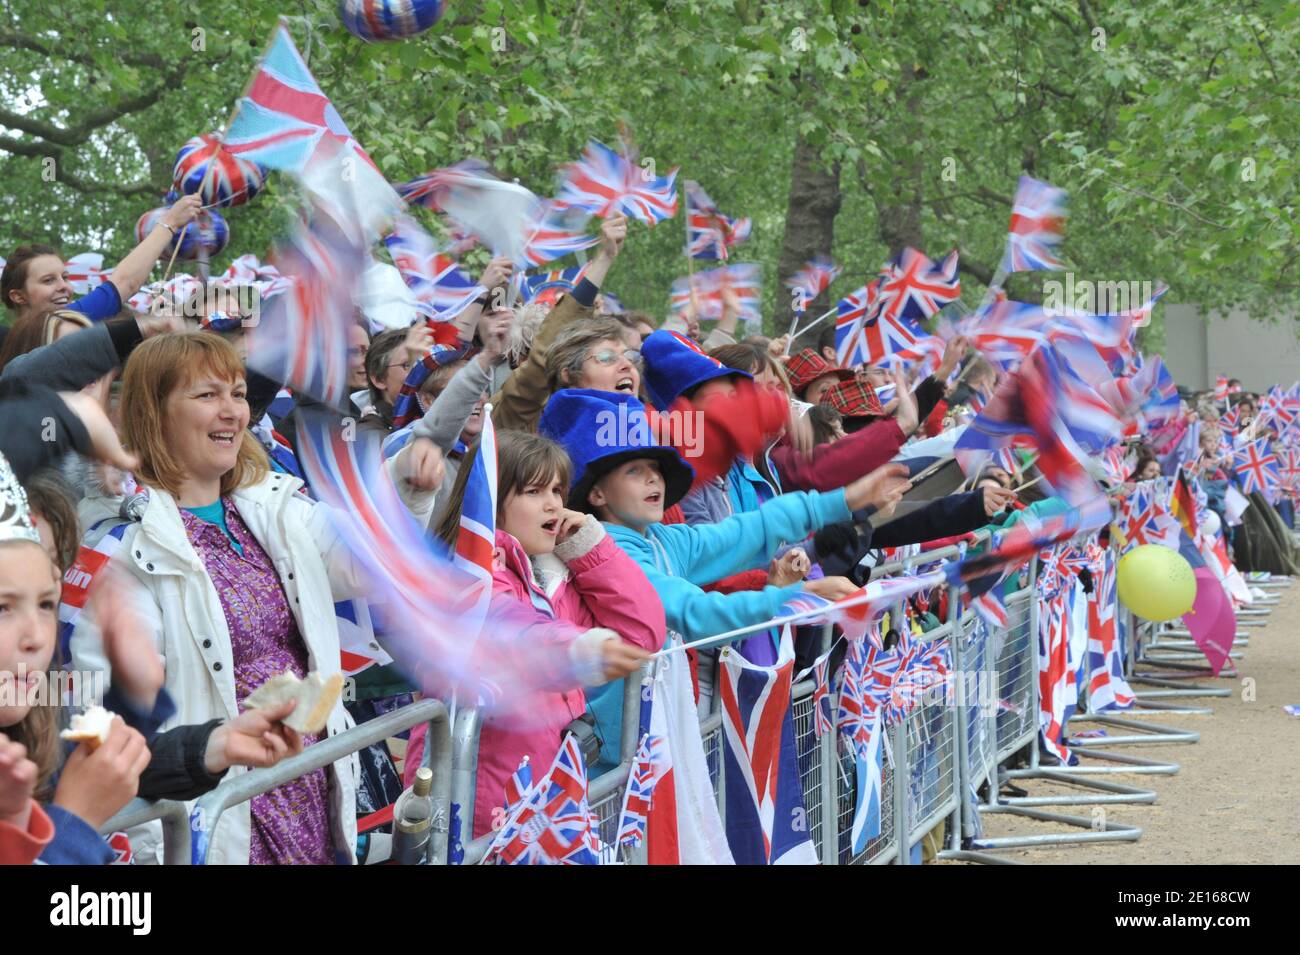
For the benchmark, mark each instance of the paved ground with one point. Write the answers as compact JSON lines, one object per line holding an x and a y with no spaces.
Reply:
{"x":1236,"y":797}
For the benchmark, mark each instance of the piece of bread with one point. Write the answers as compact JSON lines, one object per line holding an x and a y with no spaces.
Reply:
{"x":316,"y":696}
{"x":92,"y":727}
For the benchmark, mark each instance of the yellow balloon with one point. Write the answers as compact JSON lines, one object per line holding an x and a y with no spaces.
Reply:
{"x":1156,"y":582}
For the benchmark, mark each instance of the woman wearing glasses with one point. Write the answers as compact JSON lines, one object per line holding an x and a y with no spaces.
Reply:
{"x":598,"y":353}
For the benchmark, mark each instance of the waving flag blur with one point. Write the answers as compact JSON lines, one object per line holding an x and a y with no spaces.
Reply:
{"x":302,"y":339}
{"x":743,"y":278}
{"x":553,"y":236}
{"x":810,"y":281}
{"x":1038,"y":217}
{"x":605,"y":182}
{"x":442,"y":289}
{"x":710,"y":234}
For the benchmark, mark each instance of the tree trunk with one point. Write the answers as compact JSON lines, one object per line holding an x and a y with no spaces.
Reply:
{"x":809,"y":227}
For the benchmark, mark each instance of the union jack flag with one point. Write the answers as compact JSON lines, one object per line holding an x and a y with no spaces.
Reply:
{"x":743,"y":278}
{"x":1144,"y":516}
{"x":899,"y":339}
{"x":1107,"y":687}
{"x":1038,"y":217}
{"x":710,"y":234}
{"x":1005,"y":332}
{"x":1289,"y":468}
{"x":518,"y":786}
{"x":428,"y":635}
{"x":441,"y":288}
{"x":923,"y":666}
{"x":1277,"y":409}
{"x":85,"y":271}
{"x":77,"y":581}
{"x":858,"y":613}
{"x":302,"y":339}
{"x":553,"y":237}
{"x":851,"y":314}
{"x":821,"y":701}
{"x":766,"y":804}
{"x":648,"y":767}
{"x":865,"y":687}
{"x":430,"y":190}
{"x":1257,"y":467}
{"x":1057,"y":683}
{"x":605,"y":182}
{"x":553,"y":825}
{"x":1228,"y":422}
{"x":915,"y":288}
{"x":546,"y":287}
{"x":476,"y":539}
{"x":810,"y":281}
{"x":285,"y":118}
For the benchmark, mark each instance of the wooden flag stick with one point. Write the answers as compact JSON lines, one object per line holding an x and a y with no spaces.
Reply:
{"x":1027,"y":484}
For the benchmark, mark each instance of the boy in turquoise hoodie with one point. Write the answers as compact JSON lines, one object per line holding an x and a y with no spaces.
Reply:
{"x":627,"y":479}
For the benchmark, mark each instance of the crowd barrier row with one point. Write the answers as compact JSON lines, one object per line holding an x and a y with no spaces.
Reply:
{"x":939,"y":758}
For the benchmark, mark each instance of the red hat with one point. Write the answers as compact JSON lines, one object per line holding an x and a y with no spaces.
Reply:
{"x":853,"y":399}
{"x":807,"y":366}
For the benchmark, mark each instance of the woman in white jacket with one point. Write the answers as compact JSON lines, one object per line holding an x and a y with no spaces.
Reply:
{"x":243,"y":572}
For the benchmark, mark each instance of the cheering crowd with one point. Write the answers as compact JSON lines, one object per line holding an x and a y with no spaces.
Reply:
{"x":143,"y":437}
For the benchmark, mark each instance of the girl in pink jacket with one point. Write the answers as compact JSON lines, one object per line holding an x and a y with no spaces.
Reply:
{"x":562,"y":564}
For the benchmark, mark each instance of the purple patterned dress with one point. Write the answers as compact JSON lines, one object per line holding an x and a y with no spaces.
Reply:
{"x":290,"y":824}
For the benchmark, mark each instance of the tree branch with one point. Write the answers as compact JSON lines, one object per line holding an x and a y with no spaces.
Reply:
{"x":76,"y":135}
{"x":24,"y":41}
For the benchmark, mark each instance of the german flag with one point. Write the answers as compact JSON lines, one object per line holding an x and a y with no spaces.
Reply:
{"x":1183,"y":505}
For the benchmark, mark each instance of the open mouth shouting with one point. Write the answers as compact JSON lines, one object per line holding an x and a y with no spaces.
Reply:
{"x":552,"y":526}
{"x":655,"y":498}
{"x":625,"y":385}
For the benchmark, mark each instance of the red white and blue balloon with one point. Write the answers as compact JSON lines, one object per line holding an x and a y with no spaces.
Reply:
{"x":219,"y":176}
{"x":208,"y":232}
{"x":374,"y":20}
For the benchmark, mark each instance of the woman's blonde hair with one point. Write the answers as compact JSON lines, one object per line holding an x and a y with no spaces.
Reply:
{"x":154,"y":371}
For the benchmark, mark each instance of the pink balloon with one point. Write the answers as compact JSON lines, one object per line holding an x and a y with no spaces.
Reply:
{"x":1211,"y":621}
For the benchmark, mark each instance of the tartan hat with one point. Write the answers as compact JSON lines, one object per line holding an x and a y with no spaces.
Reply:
{"x":602,"y":429}
{"x":853,"y":399}
{"x":674,"y":364}
{"x":807,"y":366}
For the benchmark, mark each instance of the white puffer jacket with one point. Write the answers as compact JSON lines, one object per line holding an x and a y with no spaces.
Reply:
{"x":190,"y":631}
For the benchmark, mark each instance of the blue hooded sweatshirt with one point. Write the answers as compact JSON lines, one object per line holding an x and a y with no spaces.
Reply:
{"x":680,"y":558}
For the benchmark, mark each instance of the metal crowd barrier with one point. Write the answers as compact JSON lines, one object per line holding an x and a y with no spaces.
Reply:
{"x":175,"y":819}
{"x":938,"y":759}
{"x":210,"y":807}
{"x":186,"y":832}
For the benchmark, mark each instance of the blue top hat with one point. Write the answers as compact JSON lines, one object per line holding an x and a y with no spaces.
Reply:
{"x":674,"y":364}
{"x":602,"y":429}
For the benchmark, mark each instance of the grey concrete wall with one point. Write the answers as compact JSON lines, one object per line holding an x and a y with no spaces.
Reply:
{"x":1260,"y":353}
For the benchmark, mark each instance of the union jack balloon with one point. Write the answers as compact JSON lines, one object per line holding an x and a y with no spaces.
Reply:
{"x":219,"y":176}
{"x":378,"y":20}
{"x":209,"y":231}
